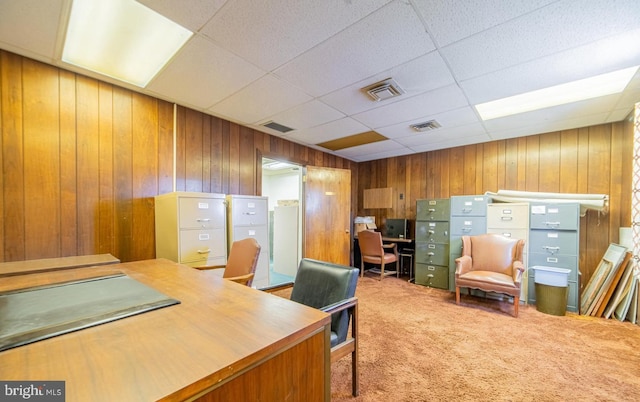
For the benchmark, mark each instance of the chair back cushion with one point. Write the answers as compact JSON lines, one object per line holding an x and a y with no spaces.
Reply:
{"x":319,"y":284}
{"x":370,"y":243}
{"x":243,"y":258}
{"x":492,"y":252}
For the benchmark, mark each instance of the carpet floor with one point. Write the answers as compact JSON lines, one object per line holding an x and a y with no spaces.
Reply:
{"x":416,"y":344}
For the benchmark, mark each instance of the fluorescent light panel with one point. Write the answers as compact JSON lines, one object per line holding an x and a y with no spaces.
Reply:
{"x":121,"y":39}
{"x":588,"y":88}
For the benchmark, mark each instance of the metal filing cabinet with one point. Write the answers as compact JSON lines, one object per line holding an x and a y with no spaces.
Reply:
{"x":432,"y":243}
{"x":191,"y":228}
{"x":468,"y":218}
{"x":512,"y":220}
{"x":248,"y":216}
{"x":554,"y":241}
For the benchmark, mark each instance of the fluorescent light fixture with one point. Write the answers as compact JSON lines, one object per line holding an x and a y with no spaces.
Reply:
{"x":588,"y":88}
{"x":121,"y":39}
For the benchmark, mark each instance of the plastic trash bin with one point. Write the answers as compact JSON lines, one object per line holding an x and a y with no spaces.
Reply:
{"x":552,"y":289}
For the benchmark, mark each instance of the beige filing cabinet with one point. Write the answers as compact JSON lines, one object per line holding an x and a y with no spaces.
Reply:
{"x":248,"y":216}
{"x":512,"y":220}
{"x":191,"y":228}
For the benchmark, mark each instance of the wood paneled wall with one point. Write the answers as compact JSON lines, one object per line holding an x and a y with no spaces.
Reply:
{"x":594,"y":160}
{"x":82,"y":160}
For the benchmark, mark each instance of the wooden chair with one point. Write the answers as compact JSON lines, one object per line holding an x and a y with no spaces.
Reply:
{"x":373,"y":251}
{"x":242,"y":261}
{"x":492,"y":263}
{"x":331,"y":288}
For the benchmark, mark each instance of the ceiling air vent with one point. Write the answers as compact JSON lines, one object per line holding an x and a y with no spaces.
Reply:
{"x":278,"y":127}
{"x":426,"y":126}
{"x":383,"y":90}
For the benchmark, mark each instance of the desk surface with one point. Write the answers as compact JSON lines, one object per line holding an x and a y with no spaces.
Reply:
{"x":219,"y":331}
{"x":54,"y":264}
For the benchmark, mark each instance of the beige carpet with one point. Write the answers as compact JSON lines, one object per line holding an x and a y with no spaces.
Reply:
{"x":416,"y":344}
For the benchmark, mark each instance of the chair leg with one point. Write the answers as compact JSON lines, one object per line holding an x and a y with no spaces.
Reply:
{"x":457,"y":294}
{"x":382,"y":271}
{"x":516,"y":304}
{"x":361,"y":268}
{"x":397,"y":268}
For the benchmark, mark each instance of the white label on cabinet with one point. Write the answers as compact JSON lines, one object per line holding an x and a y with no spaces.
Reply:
{"x":468,"y":203}
{"x":252,"y":233}
{"x":433,"y":202}
{"x":203,"y":205}
{"x":506,"y":234}
{"x":506,"y":211}
{"x":538,"y":209}
{"x":203,"y":236}
{"x":549,"y":259}
{"x":552,"y":235}
{"x":479,"y":199}
{"x":468,"y":223}
{"x":553,"y":210}
{"x":432,"y":225}
{"x":431,"y":246}
{"x":251,"y":205}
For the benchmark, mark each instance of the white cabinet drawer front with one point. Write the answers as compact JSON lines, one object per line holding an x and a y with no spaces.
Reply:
{"x":249,"y":212}
{"x":507,"y":216}
{"x":197,"y":245}
{"x":203,"y":213}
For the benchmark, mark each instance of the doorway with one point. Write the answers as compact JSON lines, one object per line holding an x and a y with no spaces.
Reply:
{"x":282,"y":184}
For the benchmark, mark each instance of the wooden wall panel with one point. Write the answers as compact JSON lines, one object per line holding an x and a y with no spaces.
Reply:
{"x":587,"y":160}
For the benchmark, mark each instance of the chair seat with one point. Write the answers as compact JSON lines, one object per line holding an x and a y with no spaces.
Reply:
{"x":376,"y":260}
{"x":493,"y":278}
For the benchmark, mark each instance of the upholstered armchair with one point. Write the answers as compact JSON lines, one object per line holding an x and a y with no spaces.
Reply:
{"x":492,"y":263}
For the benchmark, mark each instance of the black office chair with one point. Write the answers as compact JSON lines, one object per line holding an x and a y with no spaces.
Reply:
{"x":331,"y":288}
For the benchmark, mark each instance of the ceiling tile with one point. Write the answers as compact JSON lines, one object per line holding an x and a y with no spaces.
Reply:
{"x":203,"y":74}
{"x":442,"y":134}
{"x":414,"y":77}
{"x":389,"y":37}
{"x":310,"y":114}
{"x":610,"y":54}
{"x":450,"y":21}
{"x":560,"y":26}
{"x":449,"y":119}
{"x":374,"y":148}
{"x":292,"y":27}
{"x":191,"y":14}
{"x":451,"y":143}
{"x":329,"y":131}
{"x":428,"y":103}
{"x":259,"y":100}
{"x":38,"y":37}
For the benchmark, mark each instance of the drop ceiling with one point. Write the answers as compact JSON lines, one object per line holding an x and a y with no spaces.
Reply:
{"x":302,"y":64}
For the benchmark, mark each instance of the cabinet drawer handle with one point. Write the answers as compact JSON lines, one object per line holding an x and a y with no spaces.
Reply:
{"x":203,"y":219}
{"x":552,"y":223}
{"x":432,"y":210}
{"x":467,"y":210}
{"x":431,"y":232}
{"x":250,"y":213}
{"x":466,"y":230}
{"x":552,"y":250}
{"x":431,"y":254}
{"x":207,"y":251}
{"x":507,"y":218}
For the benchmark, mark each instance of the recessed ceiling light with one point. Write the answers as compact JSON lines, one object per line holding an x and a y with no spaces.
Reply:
{"x":588,"y":88}
{"x":121,"y":39}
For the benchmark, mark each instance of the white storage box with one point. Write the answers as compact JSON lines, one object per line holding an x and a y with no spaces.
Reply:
{"x":551,"y":276}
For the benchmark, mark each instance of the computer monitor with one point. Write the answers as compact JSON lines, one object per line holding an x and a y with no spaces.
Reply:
{"x":398,"y":228}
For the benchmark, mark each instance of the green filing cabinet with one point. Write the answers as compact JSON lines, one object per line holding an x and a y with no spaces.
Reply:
{"x":432,"y":243}
{"x":468,"y":218}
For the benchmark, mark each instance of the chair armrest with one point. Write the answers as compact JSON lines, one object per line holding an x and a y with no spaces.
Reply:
{"x":340,"y":305}
{"x":242,"y":279}
{"x":463,"y":264}
{"x":276,"y":288}
{"x":392,"y":246}
{"x":518,"y":270}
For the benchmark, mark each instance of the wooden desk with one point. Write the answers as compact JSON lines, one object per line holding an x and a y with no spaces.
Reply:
{"x":223,"y":342}
{"x":54,"y":264}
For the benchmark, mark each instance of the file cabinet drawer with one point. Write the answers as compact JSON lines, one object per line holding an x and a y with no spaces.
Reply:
{"x":432,"y":275}
{"x":468,"y":225}
{"x":475,"y":205}
{"x":432,"y":253}
{"x":555,"y":216}
{"x":553,"y":242}
{"x":432,"y":232}
{"x":433,"y":210}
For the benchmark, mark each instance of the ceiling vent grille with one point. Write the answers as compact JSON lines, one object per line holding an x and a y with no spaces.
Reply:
{"x":383,"y":90}
{"x":278,"y":127}
{"x":426,"y":126}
